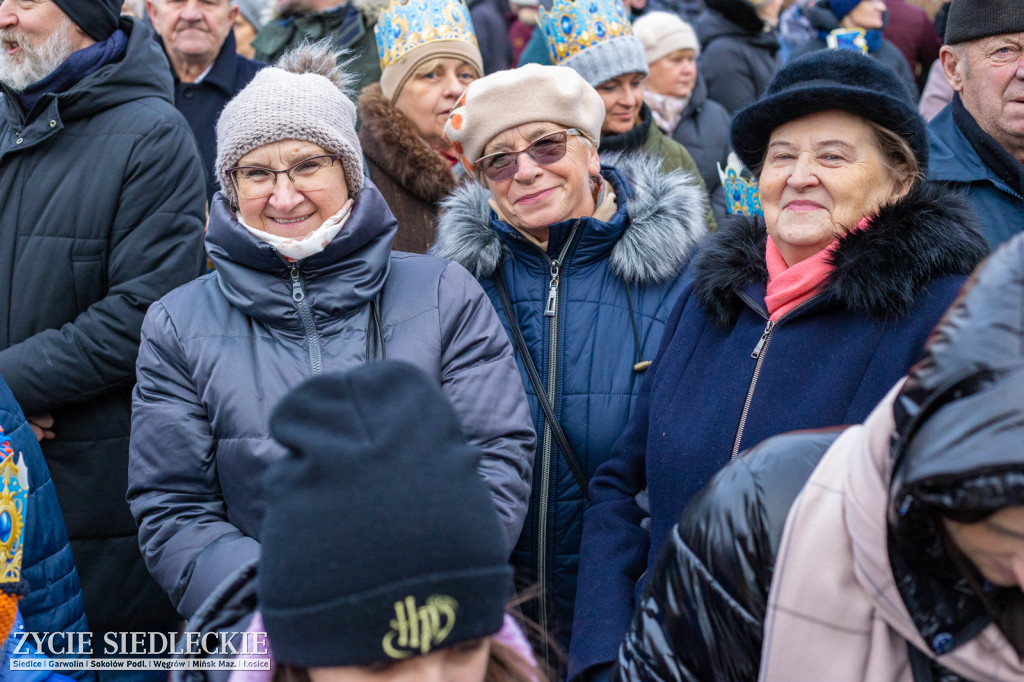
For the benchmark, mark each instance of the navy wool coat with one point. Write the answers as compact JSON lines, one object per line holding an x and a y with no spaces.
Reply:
{"x":725,"y":379}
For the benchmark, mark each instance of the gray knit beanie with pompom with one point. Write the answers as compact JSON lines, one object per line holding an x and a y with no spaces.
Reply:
{"x":302,"y":97}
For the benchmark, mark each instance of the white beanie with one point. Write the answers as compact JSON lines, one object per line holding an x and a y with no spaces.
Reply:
{"x":663,"y":33}
{"x":300,"y":98}
{"x":529,"y":94}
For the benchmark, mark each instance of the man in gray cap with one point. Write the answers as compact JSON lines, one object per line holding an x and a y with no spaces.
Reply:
{"x":102,"y":214}
{"x":977,"y":141}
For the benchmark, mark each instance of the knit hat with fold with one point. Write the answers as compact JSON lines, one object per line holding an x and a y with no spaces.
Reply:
{"x":302,"y":97}
{"x":841,"y":8}
{"x":380,"y":540}
{"x":98,"y":18}
{"x":972,"y":19}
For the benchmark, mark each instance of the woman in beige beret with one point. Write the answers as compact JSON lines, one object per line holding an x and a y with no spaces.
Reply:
{"x":581,"y":259}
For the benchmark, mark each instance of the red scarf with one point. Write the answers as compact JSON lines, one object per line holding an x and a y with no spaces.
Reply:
{"x":788,"y":286}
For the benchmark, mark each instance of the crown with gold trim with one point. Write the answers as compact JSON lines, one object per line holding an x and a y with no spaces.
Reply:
{"x":742,"y":194}
{"x":407,"y":24}
{"x":572,"y":26}
{"x":13,"y":502}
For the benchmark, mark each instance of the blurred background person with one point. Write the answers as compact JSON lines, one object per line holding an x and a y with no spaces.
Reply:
{"x":198,"y":38}
{"x":909,"y":28}
{"x":855,"y":25}
{"x":739,"y":43}
{"x":491,"y":29}
{"x":583,"y":262}
{"x":783,"y":323}
{"x":687,"y":10}
{"x":678,"y":98}
{"x":902,"y":556}
{"x":252,"y":14}
{"x":134,"y":8}
{"x":403,"y":116}
{"x":520,"y":31}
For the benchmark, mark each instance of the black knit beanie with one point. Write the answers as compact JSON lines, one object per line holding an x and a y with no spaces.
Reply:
{"x":98,"y":18}
{"x":824,"y":80}
{"x":380,"y":540}
{"x":973,"y":19}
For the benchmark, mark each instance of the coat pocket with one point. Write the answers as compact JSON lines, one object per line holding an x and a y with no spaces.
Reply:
{"x":90,"y":278}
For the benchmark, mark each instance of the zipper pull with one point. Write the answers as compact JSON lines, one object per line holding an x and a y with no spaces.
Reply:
{"x":298,"y":295}
{"x":764,"y":339}
{"x":552,"y":303}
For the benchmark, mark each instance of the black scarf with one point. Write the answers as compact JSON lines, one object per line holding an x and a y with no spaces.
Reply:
{"x":631,"y":140}
{"x":992,"y":154}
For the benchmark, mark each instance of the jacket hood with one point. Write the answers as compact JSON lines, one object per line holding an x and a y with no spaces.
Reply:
{"x":391,"y":141}
{"x":662,"y":216}
{"x":737,"y":19}
{"x":141,"y":73}
{"x":880,"y":271}
{"x":956,"y":451}
{"x":349,"y":272}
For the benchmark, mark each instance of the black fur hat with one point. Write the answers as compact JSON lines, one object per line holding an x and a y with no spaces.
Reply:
{"x":824,"y":80}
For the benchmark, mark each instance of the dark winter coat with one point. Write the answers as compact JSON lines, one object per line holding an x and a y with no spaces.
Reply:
{"x":102,"y":214}
{"x":218,"y":354}
{"x":54,"y":601}
{"x":953,"y":162}
{"x":347,"y":26}
{"x":914,"y":35}
{"x":823,"y":20}
{"x":737,"y":55}
{"x":201,"y":103}
{"x":704,"y":131}
{"x":702,"y":614}
{"x":491,"y":35}
{"x":631,"y":262}
{"x":725,"y":379}
{"x":413,"y":178}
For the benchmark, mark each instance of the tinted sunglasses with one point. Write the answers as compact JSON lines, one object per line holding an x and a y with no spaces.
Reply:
{"x":544,"y":150}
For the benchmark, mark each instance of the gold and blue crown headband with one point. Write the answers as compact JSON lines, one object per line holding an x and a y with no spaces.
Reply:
{"x":13,"y":503}
{"x":571,"y":27}
{"x":407,"y":24}
{"x":742,"y":194}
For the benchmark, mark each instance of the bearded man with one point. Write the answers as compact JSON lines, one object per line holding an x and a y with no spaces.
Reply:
{"x":101,"y":213}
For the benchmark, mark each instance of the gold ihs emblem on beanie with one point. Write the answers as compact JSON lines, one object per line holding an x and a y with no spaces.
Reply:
{"x":415,"y":630}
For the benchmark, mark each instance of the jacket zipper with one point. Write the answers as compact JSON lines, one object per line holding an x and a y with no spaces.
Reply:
{"x":312,"y":337}
{"x":551,"y":311}
{"x":759,"y":352}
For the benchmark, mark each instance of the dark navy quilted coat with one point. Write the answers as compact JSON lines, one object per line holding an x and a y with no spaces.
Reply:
{"x":638,"y":253}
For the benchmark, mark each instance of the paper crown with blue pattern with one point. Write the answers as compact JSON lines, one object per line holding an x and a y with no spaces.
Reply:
{"x":594,"y":37}
{"x":405,"y":25}
{"x":742,"y":194}
{"x":13,"y":503}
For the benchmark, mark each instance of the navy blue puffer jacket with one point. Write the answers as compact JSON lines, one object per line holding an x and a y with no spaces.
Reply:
{"x":632,"y":262}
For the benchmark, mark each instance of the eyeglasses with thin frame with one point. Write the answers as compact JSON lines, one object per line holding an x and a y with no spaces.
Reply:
{"x":307,"y":175}
{"x":545,"y":150}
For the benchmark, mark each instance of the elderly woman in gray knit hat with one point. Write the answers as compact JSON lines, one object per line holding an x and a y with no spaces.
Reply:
{"x":584,"y":260}
{"x":305,"y":282}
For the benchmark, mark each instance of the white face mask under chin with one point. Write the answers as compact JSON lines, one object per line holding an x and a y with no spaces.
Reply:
{"x":297,"y":248}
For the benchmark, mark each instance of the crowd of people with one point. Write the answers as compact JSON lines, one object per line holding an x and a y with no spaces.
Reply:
{"x":462,"y":340}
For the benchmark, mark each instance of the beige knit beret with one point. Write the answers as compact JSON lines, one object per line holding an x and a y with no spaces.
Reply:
{"x":300,"y":98}
{"x":663,"y":33}
{"x":529,"y":94}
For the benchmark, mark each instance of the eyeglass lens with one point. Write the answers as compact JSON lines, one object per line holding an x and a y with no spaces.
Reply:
{"x":547,"y":149}
{"x":307,"y":176}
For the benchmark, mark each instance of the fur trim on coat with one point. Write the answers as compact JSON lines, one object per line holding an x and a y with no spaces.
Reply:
{"x":666,"y":213}
{"x":881,"y":270}
{"x":393,"y":143}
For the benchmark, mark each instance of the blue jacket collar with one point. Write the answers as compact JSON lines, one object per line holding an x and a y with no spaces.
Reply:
{"x":951,"y":156}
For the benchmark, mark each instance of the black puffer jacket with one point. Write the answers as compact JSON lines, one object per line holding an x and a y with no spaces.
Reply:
{"x":738,"y":55}
{"x":101,"y":214}
{"x":955,"y":449}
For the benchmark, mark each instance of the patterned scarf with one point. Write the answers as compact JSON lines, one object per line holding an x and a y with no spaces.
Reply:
{"x":666,"y":109}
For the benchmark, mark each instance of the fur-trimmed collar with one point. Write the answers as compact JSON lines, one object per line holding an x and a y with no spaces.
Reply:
{"x":880,"y":271}
{"x":391,"y":141}
{"x":666,"y":214}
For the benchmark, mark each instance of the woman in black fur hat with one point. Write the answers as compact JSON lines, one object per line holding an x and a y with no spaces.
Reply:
{"x":803,"y":318}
